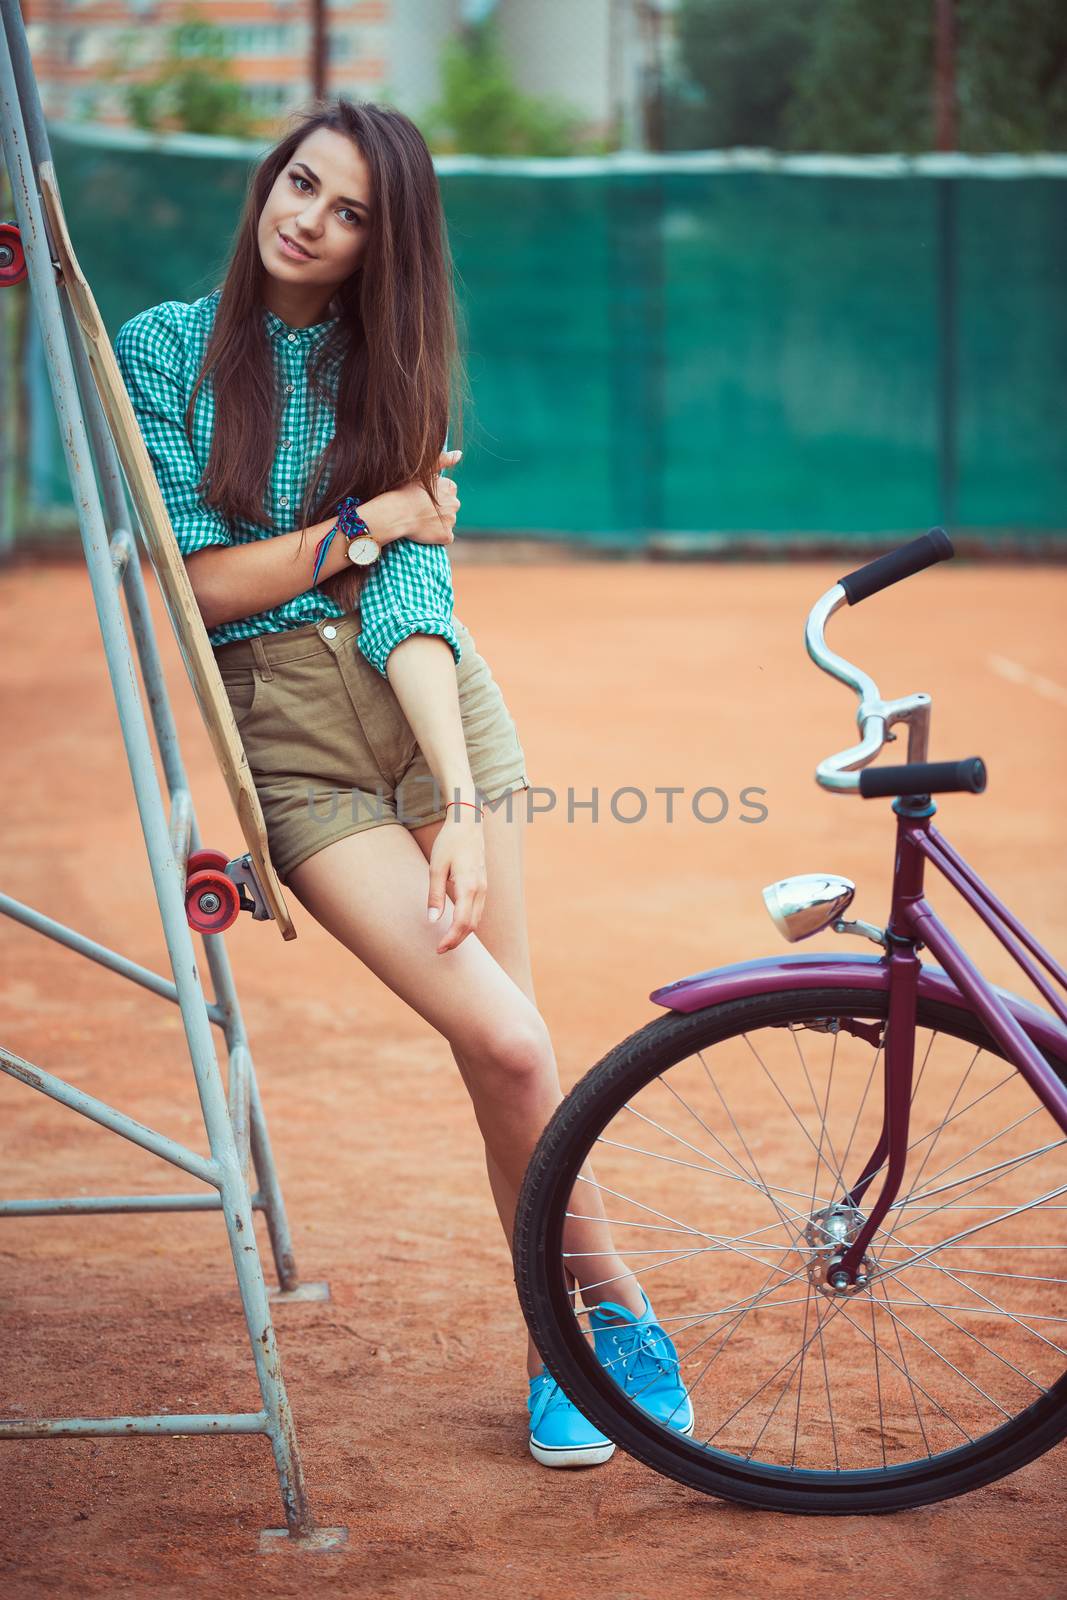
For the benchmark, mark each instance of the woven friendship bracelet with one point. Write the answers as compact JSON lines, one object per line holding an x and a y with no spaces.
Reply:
{"x":349,"y":522}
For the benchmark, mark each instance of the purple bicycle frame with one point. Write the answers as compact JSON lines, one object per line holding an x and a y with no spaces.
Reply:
{"x":1025,"y":1033}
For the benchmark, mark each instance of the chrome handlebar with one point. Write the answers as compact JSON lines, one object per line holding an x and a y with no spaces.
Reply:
{"x":875,"y":716}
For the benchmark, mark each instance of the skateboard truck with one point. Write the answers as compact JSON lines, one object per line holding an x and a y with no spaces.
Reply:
{"x":242,"y":872}
{"x":218,"y":889}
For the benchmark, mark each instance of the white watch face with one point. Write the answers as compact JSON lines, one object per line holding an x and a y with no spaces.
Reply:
{"x":362,"y":551}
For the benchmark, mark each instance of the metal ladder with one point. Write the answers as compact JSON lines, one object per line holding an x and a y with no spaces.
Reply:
{"x":233,"y":1112}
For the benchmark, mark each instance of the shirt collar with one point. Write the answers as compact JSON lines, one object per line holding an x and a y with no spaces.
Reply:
{"x":277,"y":329}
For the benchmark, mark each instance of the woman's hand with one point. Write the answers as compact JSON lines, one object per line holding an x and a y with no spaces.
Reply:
{"x":410,"y":513}
{"x":458,"y":858}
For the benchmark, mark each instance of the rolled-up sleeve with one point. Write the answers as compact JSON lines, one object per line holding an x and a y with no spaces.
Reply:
{"x":149,"y":353}
{"x":408,"y":590}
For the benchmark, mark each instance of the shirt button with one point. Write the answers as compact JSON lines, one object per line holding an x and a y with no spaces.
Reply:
{"x":289,"y":388}
{"x":292,"y":338}
{"x":284,"y":501}
{"x":286,"y":443}
{"x":329,"y":632}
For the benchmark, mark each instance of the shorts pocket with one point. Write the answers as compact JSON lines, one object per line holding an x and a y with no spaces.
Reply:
{"x":242,"y":691}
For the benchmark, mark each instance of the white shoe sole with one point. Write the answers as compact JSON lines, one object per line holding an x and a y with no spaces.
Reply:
{"x":567,"y":1456}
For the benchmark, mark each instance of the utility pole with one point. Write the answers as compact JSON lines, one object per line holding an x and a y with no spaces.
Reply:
{"x":652,"y":72}
{"x":945,"y":74}
{"x":319,"y":51}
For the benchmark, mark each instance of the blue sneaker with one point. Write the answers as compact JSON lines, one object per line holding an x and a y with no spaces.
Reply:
{"x":559,"y":1435}
{"x":643,"y":1361}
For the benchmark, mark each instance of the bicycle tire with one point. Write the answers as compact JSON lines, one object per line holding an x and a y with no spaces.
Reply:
{"x":563,"y":1147}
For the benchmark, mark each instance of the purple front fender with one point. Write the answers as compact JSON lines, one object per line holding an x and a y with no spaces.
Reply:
{"x":814,"y":971}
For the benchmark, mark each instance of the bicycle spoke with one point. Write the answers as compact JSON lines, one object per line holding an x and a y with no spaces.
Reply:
{"x":1011,"y":1077}
{"x":979,"y":1227}
{"x":710,"y":1238}
{"x":991,"y":1304}
{"x":885,"y":1306}
{"x":796,"y":1356}
{"x":715,"y":1167}
{"x":943,"y":1310}
{"x":693,"y":1384}
{"x":800,"y":1380}
{"x":859,"y":1111}
{"x":726,"y":1173}
{"x":755,"y":1302}
{"x":700,"y":1120}
{"x":824,"y":1131}
{"x":913,"y":1383}
{"x":987,"y":1142}
{"x":769,"y":1418}
{"x":655,"y":1155}
{"x":785,"y":1101}
{"x":990,"y":1174}
{"x":943,"y":1124}
{"x":878,"y":1384}
{"x":826,"y":1379}
{"x":906,"y":1369}
{"x":740,"y":1135}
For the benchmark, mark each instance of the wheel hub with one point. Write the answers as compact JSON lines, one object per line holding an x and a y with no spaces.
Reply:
{"x":828,"y":1236}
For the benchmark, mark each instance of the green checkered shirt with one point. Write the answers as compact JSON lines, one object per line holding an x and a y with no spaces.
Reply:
{"x":407,"y":590}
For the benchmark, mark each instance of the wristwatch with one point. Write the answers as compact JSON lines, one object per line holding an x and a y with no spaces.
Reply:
{"x":362,"y":548}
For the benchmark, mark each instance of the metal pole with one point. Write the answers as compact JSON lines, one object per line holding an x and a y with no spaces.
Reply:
{"x":319,"y":50}
{"x":945,"y":74}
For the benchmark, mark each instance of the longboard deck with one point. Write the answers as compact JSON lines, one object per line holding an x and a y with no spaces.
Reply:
{"x":166,"y":559}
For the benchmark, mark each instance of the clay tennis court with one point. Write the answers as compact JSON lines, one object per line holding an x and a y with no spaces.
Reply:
{"x":408,"y":1385}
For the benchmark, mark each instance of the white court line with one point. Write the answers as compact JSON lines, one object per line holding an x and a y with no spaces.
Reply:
{"x":1029,"y":680}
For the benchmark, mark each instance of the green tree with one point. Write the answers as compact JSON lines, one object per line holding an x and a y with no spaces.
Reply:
{"x":482,"y":112}
{"x":193,"y":89}
{"x":738,"y":66}
{"x":869,"y":82}
{"x":1013,"y":75}
{"x":858,"y":75}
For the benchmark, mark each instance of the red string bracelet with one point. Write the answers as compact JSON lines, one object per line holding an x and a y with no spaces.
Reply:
{"x":461,"y":803}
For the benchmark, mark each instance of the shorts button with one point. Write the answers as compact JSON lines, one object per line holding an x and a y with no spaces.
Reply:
{"x":329,"y":632}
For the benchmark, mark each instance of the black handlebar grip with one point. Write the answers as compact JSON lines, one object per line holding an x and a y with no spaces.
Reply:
{"x":924,"y":777}
{"x":902,"y":563}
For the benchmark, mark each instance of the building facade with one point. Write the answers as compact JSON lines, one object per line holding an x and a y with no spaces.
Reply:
{"x":598,"y":57}
{"x":377,"y":49}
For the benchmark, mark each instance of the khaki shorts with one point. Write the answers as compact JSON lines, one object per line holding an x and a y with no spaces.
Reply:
{"x":330,"y":749}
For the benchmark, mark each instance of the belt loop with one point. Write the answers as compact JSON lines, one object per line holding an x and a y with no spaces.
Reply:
{"x":262,"y":664}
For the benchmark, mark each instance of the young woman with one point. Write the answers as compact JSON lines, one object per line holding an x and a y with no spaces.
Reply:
{"x":295,"y":419}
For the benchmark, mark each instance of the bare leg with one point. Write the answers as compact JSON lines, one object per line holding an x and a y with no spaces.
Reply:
{"x":503,"y":930}
{"x":469,"y":995}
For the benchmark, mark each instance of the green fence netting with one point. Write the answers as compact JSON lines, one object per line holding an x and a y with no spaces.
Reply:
{"x":705,"y":349}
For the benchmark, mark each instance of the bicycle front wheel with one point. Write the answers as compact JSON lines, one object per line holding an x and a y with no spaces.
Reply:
{"x":721,"y":1148}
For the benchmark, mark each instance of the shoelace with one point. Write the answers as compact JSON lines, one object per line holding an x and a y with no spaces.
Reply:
{"x":549,"y":1396}
{"x":640,"y":1355}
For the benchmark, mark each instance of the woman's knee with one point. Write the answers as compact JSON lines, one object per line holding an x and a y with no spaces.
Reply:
{"x":515,"y":1050}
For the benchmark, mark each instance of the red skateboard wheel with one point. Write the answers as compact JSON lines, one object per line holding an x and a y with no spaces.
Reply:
{"x":205,"y":860}
{"x":212,"y":903}
{"x":12,"y":255}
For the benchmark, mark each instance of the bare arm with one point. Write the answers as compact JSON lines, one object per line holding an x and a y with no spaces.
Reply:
{"x":245,"y":579}
{"x":422,"y":673}
{"x":241,"y":580}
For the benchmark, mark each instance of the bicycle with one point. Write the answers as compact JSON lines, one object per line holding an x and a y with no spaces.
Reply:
{"x":862,"y":1289}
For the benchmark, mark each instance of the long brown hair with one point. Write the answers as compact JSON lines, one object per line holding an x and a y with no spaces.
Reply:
{"x":395,"y":341}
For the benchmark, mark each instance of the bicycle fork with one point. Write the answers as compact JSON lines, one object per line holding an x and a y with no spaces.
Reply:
{"x":849,"y":1270}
